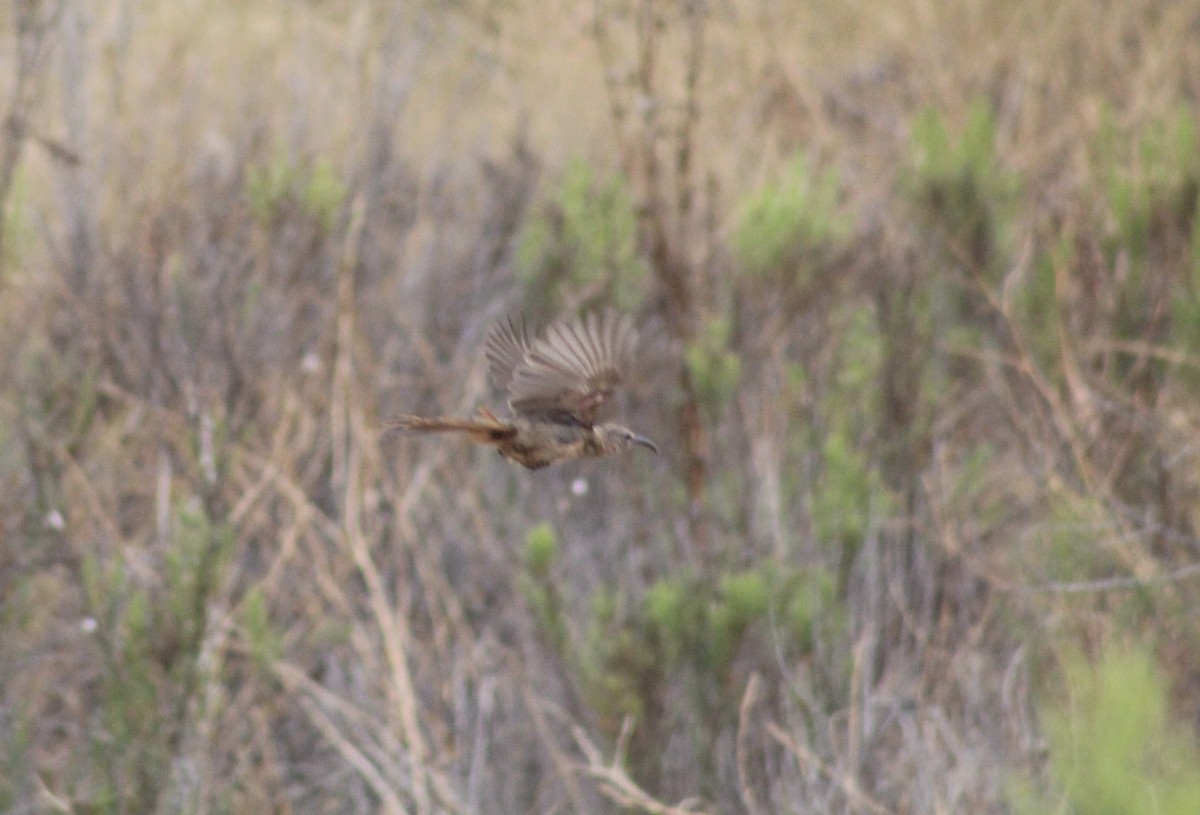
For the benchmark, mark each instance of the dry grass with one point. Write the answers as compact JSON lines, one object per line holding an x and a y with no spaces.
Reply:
{"x":222,"y":589}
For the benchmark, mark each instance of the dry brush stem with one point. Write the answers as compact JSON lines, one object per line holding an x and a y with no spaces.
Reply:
{"x":1073,"y":420}
{"x":806,"y":758}
{"x":746,"y":789}
{"x":319,"y":705}
{"x":364,"y":741}
{"x":616,"y":784}
{"x":563,"y":765}
{"x":32,"y":21}
{"x":639,"y":99}
{"x":351,"y":439}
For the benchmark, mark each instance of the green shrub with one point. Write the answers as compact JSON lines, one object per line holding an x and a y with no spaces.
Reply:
{"x":617,"y":671}
{"x":843,"y":496}
{"x":791,"y":224}
{"x":585,"y":238}
{"x":1150,"y":181}
{"x":959,"y":185}
{"x":742,"y":599}
{"x":850,"y":489}
{"x":690,"y":622}
{"x":263,"y":639}
{"x":536,"y":582}
{"x":1113,"y":747}
{"x":674,"y":617}
{"x":541,"y":548}
{"x":150,"y":638}
{"x":715,"y":368}
{"x":808,"y":598}
{"x":1037,"y":306}
{"x":17,"y":231}
{"x":284,"y":184}
{"x":1150,"y":197}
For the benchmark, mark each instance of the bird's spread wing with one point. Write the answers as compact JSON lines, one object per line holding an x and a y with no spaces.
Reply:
{"x":570,"y":373}
{"x":506,"y":348}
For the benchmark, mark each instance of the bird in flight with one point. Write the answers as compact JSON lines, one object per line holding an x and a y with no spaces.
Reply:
{"x":557,"y":384}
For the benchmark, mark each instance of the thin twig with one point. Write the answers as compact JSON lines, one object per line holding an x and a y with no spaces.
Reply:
{"x":1104,"y":584}
{"x":805,"y":757}
{"x":616,"y":784}
{"x":745,"y":789}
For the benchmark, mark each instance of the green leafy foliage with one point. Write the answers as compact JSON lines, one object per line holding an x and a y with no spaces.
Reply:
{"x":676,"y":612}
{"x":793,"y":223}
{"x":860,"y":352}
{"x":693,"y":622}
{"x":1036,"y":301}
{"x":715,"y":368}
{"x":541,"y":548}
{"x":959,"y":184}
{"x":17,"y":234}
{"x":285,"y":184}
{"x":1150,"y":181}
{"x":810,"y":602}
{"x":847,"y":495}
{"x":1150,"y":196}
{"x":263,"y":638}
{"x":538,"y":585}
{"x":743,"y":598}
{"x":13,"y":760}
{"x":151,"y":637}
{"x":967,"y":201}
{"x":1114,"y":749}
{"x":686,"y":626}
{"x":1067,"y":538}
{"x":617,"y":672}
{"x":850,"y":491}
{"x":585,"y":238}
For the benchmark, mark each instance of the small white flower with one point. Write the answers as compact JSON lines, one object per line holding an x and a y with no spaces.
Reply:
{"x":55,"y":520}
{"x":87,"y":625}
{"x":579,"y":486}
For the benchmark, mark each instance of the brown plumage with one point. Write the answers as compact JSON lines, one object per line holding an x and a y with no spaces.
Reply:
{"x":557,"y":384}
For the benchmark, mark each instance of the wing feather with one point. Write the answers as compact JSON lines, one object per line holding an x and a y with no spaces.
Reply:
{"x":569,"y":373}
{"x":506,"y":348}
{"x":586,"y":341}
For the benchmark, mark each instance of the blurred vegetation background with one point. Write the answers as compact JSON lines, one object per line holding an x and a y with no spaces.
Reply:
{"x":921,"y":285}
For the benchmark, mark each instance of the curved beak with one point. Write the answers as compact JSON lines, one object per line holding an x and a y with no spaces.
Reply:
{"x":644,"y":442}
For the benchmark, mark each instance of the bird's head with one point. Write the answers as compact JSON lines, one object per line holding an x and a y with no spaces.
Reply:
{"x":615,"y":438}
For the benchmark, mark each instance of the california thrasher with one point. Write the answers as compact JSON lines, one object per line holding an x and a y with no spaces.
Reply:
{"x":557,"y":384}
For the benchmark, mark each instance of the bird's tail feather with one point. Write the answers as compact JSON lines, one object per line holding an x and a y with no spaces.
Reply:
{"x":486,"y":429}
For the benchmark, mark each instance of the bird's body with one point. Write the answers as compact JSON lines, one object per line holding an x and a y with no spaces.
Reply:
{"x":557,"y":384}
